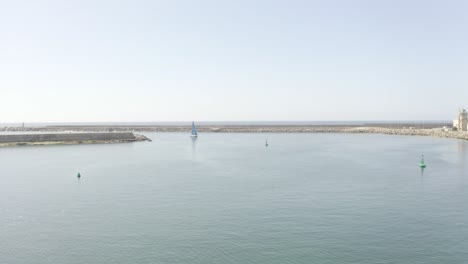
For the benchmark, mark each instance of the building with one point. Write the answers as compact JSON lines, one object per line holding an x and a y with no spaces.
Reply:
{"x":461,"y":123}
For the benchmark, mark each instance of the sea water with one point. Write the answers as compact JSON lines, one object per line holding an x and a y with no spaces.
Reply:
{"x":226,"y":198}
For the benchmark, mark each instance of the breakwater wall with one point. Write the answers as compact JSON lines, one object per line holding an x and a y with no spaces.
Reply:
{"x":68,"y":137}
{"x":434,"y":130}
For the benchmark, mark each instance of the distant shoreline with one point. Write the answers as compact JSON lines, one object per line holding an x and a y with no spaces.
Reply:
{"x":443,"y":130}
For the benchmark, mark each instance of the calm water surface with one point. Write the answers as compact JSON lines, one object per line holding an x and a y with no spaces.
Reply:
{"x":226,"y":198}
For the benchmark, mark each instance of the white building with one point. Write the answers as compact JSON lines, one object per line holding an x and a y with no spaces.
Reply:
{"x":461,"y":123}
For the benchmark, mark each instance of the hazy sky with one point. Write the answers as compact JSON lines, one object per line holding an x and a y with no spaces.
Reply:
{"x":232,"y":60}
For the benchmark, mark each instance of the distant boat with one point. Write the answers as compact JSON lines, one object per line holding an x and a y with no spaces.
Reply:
{"x":78,"y":175}
{"x":194,"y":130}
{"x":422,"y":164}
{"x":266,"y":143}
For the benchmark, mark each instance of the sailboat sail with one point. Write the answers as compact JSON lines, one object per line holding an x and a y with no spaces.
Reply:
{"x":194,"y":130}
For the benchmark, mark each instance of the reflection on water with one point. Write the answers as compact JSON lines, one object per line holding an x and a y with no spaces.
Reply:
{"x":462,"y":151}
{"x":194,"y":147}
{"x":463,"y":163}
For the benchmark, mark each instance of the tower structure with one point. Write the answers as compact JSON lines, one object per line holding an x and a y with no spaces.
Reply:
{"x":461,"y":123}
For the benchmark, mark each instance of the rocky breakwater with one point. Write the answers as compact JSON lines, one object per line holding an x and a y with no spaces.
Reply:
{"x":68,"y":138}
{"x":434,"y":132}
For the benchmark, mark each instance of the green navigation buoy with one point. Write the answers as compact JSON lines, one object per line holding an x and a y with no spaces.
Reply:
{"x":78,"y":175}
{"x":422,"y":164}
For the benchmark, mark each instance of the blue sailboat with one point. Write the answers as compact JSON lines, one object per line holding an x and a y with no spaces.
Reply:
{"x":194,"y":130}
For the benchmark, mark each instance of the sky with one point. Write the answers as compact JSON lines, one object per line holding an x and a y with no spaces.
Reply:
{"x":232,"y":60}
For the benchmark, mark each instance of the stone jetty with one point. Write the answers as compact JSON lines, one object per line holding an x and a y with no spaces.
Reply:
{"x":68,"y":138}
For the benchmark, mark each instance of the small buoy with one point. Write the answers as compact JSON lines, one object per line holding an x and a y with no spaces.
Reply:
{"x":78,"y":175}
{"x":422,"y":164}
{"x":266,"y":143}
